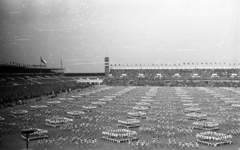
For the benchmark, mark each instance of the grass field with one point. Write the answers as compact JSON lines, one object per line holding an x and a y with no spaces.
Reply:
{"x":166,"y":110}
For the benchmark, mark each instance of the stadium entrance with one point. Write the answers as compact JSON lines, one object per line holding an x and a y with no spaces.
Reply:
{"x":90,"y":81}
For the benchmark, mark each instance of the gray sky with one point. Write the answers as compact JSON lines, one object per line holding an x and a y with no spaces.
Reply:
{"x":83,"y":32}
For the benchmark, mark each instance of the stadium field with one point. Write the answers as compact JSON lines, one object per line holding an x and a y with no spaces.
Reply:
{"x":165,"y":118}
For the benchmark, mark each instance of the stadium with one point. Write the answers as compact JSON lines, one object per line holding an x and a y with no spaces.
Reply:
{"x":133,"y":75}
{"x":117,"y":108}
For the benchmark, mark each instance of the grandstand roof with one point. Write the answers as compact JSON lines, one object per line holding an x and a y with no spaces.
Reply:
{"x":24,"y":69}
{"x":170,"y":68}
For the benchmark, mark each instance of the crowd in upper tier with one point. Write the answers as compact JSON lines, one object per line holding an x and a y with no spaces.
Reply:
{"x":180,"y":73}
{"x":187,"y":77}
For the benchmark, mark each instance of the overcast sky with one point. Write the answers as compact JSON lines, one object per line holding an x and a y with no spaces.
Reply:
{"x":83,"y":32}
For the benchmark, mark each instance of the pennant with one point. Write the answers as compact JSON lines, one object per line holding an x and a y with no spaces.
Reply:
{"x":43,"y":61}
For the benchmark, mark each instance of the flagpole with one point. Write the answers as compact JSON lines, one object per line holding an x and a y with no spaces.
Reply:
{"x":40,"y":67}
{"x":61,"y":66}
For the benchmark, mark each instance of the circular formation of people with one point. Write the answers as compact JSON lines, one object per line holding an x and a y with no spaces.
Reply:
{"x":128,"y":118}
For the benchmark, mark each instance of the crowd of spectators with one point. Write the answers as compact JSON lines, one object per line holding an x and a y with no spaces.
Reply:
{"x":25,"y":88}
{"x":174,"y":77}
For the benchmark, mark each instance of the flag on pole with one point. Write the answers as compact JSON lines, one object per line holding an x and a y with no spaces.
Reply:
{"x":43,"y":61}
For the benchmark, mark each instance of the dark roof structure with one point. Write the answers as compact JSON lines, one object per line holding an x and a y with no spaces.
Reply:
{"x":12,"y":69}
